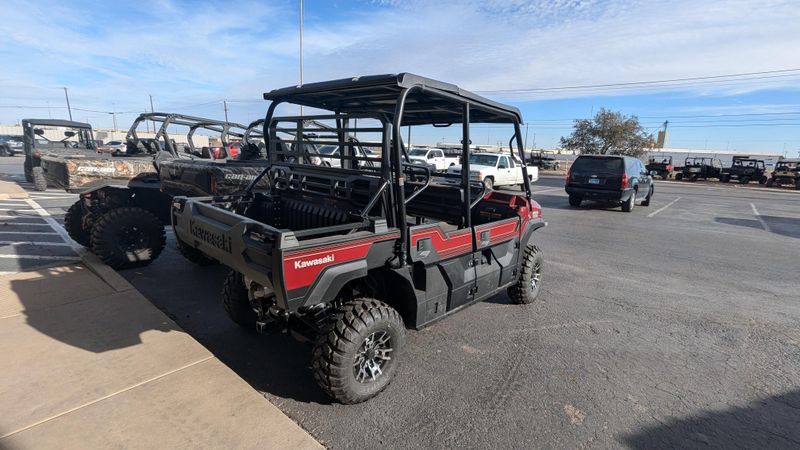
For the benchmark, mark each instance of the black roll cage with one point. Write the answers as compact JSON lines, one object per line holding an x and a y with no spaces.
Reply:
{"x":395,"y":100}
{"x":85,"y":133}
{"x":225,"y":129}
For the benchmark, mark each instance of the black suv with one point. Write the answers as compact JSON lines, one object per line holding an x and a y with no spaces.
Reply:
{"x":619,"y":179}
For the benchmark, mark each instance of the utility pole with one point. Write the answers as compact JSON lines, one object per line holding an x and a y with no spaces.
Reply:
{"x":68,"y":107}
{"x":225,"y":106}
{"x":151,"y":111}
{"x":301,"y":50}
{"x":526,"y":139}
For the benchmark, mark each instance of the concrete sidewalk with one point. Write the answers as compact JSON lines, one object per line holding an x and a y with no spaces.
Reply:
{"x":10,"y":189}
{"x":88,"y":363}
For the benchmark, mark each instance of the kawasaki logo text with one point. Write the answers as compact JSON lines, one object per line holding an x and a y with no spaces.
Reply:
{"x":314,"y":262}
{"x":211,"y":238}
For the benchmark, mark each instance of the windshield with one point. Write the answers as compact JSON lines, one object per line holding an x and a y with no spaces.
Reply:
{"x":483,"y":160}
{"x":597,"y":164}
{"x":418,"y":152}
{"x":328,"y":149}
{"x":785,"y":165}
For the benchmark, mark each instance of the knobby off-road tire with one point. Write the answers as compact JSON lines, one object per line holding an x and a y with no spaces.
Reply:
{"x":770,"y":182}
{"x":73,"y":224}
{"x":527,"y":287}
{"x":744,"y":180}
{"x":678,"y":176}
{"x":762,"y":180}
{"x":236,"y":301}
{"x":575,"y":201}
{"x":724,"y":178}
{"x":128,"y":237}
{"x":628,"y":205}
{"x":194,"y":255}
{"x":356,"y":355}
{"x":28,"y":168}
{"x":39,"y":181}
{"x":646,"y":201}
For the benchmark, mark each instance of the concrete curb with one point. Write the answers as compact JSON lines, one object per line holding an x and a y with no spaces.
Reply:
{"x":106,"y":273}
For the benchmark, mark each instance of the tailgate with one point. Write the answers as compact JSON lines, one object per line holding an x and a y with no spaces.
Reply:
{"x":597,"y":180}
{"x":245,"y":245}
{"x":77,"y":173}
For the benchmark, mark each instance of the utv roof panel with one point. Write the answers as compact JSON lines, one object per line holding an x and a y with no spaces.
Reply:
{"x":57,"y":123}
{"x":432,"y":101}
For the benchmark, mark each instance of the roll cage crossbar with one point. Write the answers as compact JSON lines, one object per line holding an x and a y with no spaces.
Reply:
{"x":226,"y":130}
{"x":394,"y":101}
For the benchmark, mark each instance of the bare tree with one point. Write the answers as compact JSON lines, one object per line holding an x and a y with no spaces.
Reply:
{"x":608,"y":133}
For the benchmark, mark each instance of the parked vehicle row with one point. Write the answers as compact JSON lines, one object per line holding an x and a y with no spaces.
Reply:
{"x":743,"y":170}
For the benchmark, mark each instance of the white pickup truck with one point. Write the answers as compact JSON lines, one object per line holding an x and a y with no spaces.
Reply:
{"x":496,"y":169}
{"x":431,"y":157}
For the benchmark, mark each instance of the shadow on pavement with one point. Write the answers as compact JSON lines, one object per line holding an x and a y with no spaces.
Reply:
{"x":71,"y":305}
{"x":784,"y":226}
{"x":773,"y":422}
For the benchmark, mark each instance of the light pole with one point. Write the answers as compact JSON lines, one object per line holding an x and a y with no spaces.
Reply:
{"x":225,"y":106}
{"x":68,"y":107}
{"x":151,"y":112}
{"x":301,"y":50}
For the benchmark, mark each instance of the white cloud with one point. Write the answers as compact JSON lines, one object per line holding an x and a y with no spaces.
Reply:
{"x":186,"y":55}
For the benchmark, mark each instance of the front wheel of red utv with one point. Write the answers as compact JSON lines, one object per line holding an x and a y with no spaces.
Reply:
{"x":356,"y":355}
{"x":527,"y":287}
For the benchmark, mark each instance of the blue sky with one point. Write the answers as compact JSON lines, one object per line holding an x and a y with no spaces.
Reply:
{"x":191,"y":55}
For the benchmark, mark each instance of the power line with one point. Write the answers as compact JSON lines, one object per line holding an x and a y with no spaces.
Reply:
{"x":638,"y":83}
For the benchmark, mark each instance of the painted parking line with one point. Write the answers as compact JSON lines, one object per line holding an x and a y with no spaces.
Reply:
{"x":44,"y":257}
{"x":760,"y":219}
{"x":548,"y":190}
{"x":652,"y":214}
{"x":51,"y":244}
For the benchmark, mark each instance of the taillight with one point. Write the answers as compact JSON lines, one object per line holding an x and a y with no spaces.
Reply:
{"x":569,"y":175}
{"x":624,"y":184}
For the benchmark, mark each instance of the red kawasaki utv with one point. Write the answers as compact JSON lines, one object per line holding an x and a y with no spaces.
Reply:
{"x":350,"y":256}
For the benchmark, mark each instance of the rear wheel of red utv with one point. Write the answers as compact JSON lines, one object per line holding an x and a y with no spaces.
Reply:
{"x":128,"y":237}
{"x":355,"y":356}
{"x":527,"y":287}
{"x":236,"y":301}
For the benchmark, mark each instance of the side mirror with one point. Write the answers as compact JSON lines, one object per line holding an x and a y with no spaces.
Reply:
{"x":653,"y":173}
{"x":69,"y":134}
{"x":38,"y":131}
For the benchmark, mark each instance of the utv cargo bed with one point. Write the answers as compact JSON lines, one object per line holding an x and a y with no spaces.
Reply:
{"x":78,"y":173}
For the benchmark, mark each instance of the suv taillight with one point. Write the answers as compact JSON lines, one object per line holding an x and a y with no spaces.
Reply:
{"x":569,"y":175}
{"x":624,"y":183}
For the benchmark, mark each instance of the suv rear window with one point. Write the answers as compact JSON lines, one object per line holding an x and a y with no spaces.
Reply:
{"x":595,"y":164}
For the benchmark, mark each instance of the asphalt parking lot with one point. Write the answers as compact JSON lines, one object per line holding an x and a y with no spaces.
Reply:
{"x":672,"y":326}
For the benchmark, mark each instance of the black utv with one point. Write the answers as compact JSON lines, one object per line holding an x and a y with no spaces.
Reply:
{"x":122,"y":208}
{"x":38,"y":139}
{"x":787,"y":171}
{"x":744,"y":170}
{"x":699,"y":168}
{"x":349,"y":257}
{"x":661,"y":165}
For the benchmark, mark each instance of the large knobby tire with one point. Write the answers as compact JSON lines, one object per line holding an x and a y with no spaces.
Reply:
{"x":797,"y":184}
{"x":39,"y":181}
{"x":724,"y":178}
{"x":744,"y":180}
{"x":28,"y":168}
{"x":646,"y":201}
{"x":236,"y":301}
{"x":527,"y":287}
{"x":678,"y":176}
{"x":73,"y":224}
{"x":770,"y":182}
{"x":628,"y":205}
{"x":128,"y":237}
{"x":194,"y":255}
{"x":356,"y":355}
{"x":762,"y":180}
{"x":575,"y":201}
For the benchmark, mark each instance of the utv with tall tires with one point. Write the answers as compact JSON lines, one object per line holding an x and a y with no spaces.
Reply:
{"x":744,"y":170}
{"x":700,"y":168}
{"x":122,"y":208}
{"x":348,"y":257}
{"x":787,"y":171}
{"x":57,"y":138}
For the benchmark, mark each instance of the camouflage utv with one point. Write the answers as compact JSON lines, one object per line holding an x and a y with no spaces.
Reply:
{"x":42,"y":137}
{"x":122,"y":209}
